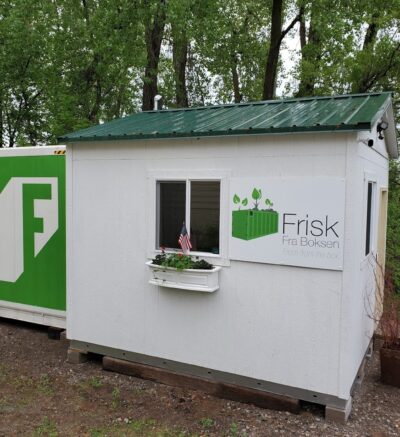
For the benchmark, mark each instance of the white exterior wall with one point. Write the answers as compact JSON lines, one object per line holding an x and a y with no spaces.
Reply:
{"x":283,"y":324}
{"x":357,"y":325}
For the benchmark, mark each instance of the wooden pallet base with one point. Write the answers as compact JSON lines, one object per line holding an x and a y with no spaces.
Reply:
{"x":219,"y":389}
{"x":239,"y":388}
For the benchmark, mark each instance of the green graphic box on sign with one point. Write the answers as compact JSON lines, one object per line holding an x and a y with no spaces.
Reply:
{"x":32,"y":230}
{"x":254,"y":223}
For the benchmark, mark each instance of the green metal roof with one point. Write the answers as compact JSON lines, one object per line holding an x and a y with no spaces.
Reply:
{"x":315,"y":114}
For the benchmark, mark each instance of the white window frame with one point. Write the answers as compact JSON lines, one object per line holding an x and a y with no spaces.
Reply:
{"x":155,"y":176}
{"x":370,"y":178}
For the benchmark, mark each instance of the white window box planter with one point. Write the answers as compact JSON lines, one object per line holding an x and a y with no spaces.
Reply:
{"x":188,"y":279}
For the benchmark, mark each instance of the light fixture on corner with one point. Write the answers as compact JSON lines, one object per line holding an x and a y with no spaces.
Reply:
{"x":382,"y":126}
{"x":368,"y":142}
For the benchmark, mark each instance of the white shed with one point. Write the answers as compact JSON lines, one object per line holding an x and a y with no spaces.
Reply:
{"x":287,"y":312}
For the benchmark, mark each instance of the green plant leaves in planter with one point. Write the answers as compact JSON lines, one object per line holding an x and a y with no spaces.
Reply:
{"x":181,"y":261}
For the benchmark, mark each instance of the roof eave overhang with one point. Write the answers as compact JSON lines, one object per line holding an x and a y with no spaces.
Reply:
{"x":227,"y":133}
{"x":386,"y":113}
{"x":391,"y":133}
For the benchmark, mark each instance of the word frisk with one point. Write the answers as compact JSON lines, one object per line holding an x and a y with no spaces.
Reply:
{"x":306,"y":226}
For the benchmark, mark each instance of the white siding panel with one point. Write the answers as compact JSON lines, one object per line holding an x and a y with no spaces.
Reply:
{"x":277,"y":323}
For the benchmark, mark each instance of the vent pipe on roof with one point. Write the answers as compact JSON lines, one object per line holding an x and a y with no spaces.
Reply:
{"x":157,"y":98}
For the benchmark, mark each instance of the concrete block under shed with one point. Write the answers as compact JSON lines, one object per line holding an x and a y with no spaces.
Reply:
{"x":76,"y":356}
{"x":339,"y":415}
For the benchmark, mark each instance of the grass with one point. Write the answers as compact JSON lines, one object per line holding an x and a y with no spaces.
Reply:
{"x":84,"y":386}
{"x":46,"y":428}
{"x":206,"y":422}
{"x":22,"y":382}
{"x":137,"y":428}
{"x":44,"y":385}
{"x":95,"y":382}
{"x":3,"y":372}
{"x":116,"y":397}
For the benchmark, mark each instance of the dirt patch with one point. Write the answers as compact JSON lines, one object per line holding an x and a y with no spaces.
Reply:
{"x":41,"y":394}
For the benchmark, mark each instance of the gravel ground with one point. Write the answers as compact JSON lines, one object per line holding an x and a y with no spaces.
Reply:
{"x":41,"y":394}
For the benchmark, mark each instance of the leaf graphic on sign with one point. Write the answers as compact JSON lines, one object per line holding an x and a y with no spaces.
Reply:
{"x":256,"y":194}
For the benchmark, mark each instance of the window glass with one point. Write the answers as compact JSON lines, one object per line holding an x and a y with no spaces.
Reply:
{"x":369,"y":216}
{"x":171,"y":212}
{"x":204,"y":216}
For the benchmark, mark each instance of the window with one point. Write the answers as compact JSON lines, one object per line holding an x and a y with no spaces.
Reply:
{"x":369,"y":225}
{"x":171,"y":212}
{"x":195,"y":203}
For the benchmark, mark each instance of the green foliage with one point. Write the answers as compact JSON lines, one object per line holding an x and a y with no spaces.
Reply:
{"x":67,"y":65}
{"x":46,"y":428}
{"x":116,"y":397}
{"x":234,"y":430}
{"x":206,"y":422}
{"x":181,"y":261}
{"x":236,"y":199}
{"x":95,"y":382}
{"x":44,"y":384}
{"x":393,"y":229}
{"x":353,"y":47}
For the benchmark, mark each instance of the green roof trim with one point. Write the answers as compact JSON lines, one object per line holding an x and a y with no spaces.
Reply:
{"x":312,"y":114}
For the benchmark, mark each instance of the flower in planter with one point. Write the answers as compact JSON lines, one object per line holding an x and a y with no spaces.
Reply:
{"x":180,"y":261}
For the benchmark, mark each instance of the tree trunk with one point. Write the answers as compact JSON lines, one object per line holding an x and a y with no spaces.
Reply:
{"x":91,"y":75}
{"x":1,"y":121}
{"x":277,"y":35}
{"x":372,"y":31}
{"x":94,"y":112}
{"x":303,"y":30}
{"x":235,"y":80}
{"x":310,"y":57}
{"x":154,"y":32}
{"x":271,"y":67}
{"x":364,"y":83}
{"x":179,"y":59}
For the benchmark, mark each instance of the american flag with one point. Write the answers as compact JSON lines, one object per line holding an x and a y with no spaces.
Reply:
{"x":184,"y":239}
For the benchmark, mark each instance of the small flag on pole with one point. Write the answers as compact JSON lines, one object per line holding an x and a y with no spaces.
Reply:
{"x":184,"y":239}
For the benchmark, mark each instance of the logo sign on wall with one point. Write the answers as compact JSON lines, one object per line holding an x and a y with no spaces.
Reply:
{"x":32,"y":230}
{"x":298,"y":222}
{"x":12,"y":223}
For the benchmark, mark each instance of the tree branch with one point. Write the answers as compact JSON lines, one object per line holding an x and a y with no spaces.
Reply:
{"x":296,"y":19}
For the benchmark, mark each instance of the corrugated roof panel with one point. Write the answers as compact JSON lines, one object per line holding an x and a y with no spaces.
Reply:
{"x":350,"y":112}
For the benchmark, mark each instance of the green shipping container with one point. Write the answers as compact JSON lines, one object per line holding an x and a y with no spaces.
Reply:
{"x":251,"y":224}
{"x":32,"y":235}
